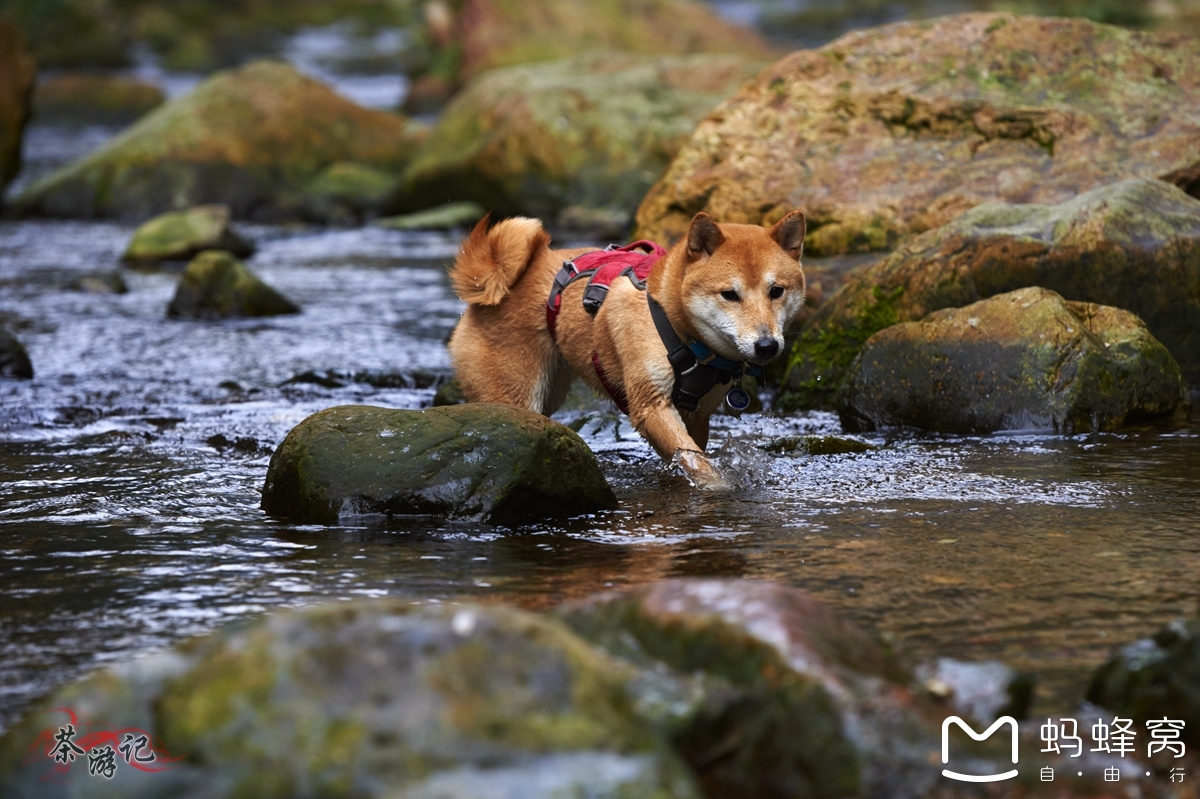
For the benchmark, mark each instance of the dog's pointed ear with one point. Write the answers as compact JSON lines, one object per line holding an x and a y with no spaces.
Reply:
{"x":789,"y":234}
{"x":704,"y":237}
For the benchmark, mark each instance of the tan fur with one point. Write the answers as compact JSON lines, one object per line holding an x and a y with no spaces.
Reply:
{"x":503,"y":352}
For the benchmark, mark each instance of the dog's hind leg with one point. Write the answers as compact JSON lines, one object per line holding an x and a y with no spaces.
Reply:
{"x":523,"y":371}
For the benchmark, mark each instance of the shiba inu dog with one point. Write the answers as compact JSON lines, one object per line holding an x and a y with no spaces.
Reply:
{"x":667,"y":344}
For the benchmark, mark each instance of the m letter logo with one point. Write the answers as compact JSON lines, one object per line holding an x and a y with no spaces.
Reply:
{"x":1008,"y":775}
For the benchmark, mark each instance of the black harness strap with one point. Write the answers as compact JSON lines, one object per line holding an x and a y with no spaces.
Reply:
{"x":693,"y":379}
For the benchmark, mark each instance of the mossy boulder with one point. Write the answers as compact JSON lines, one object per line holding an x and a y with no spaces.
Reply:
{"x":17,"y":73}
{"x":371,"y":699}
{"x":1023,"y":360}
{"x":251,"y":138}
{"x":347,"y":193}
{"x":14,"y":360}
{"x":216,"y":285}
{"x":888,"y":132}
{"x":594,"y":130}
{"x":443,"y":217}
{"x":766,"y":691}
{"x":88,"y":98}
{"x":465,"y":40}
{"x":68,"y":34}
{"x":490,"y":463}
{"x":1155,"y":678}
{"x":182,"y":235}
{"x":817,"y":445}
{"x":1133,"y":245}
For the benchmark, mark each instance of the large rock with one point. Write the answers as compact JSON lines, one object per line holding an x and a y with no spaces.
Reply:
{"x":487,"y":34}
{"x":1155,"y":678}
{"x":1133,"y":245}
{"x":1023,"y":360}
{"x":347,"y":193}
{"x":895,"y":130}
{"x":250,"y":138}
{"x":216,"y":285}
{"x":17,"y":73}
{"x":486,"y":462}
{"x":182,"y":235}
{"x":766,"y":691}
{"x":595,"y":130}
{"x":96,"y":99}
{"x":14,"y":360}
{"x":376,"y":699}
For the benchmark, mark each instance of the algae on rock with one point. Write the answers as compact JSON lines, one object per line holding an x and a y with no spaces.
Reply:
{"x":1134,"y":245}
{"x":250,"y":138}
{"x":491,"y":463}
{"x":1022,"y":360}
{"x":182,"y":235}
{"x":892,"y":131}
{"x":217,"y":285}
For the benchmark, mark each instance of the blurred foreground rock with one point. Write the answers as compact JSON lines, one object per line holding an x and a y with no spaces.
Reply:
{"x":251,"y":138}
{"x":485,"y":462}
{"x":182,"y":235}
{"x":17,"y":74}
{"x":464,"y":40}
{"x":86,"y":98}
{"x":1018,"y":361}
{"x":892,"y":131}
{"x":443,"y":217}
{"x":592,"y":131}
{"x":1155,"y":678}
{"x":1133,"y":245}
{"x":216,"y":285}
{"x":14,"y":360}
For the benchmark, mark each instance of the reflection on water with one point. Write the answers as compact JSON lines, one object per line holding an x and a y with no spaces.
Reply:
{"x":132,"y":466}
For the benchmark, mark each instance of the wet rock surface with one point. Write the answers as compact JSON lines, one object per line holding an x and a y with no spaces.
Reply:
{"x":250,"y":138}
{"x":488,"y":34}
{"x":594,"y":131}
{"x":485,"y":462}
{"x":347,"y":193}
{"x":1155,"y":678}
{"x":442,"y":217}
{"x":1133,"y":245}
{"x":17,"y":74}
{"x":895,"y":130}
{"x":765,"y":691}
{"x":182,"y":235}
{"x":80,"y":98}
{"x":216,"y":285}
{"x":372,"y":699}
{"x":14,"y":360}
{"x":1023,"y":360}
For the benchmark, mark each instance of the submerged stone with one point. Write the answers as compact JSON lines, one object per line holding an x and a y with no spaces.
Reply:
{"x":490,"y":463}
{"x":182,"y":235}
{"x":1133,"y":245}
{"x":100,"y":283}
{"x":250,"y":138}
{"x":14,"y":360}
{"x":817,"y":445}
{"x":378,"y":699}
{"x":594,"y":131}
{"x":892,"y":131}
{"x":1023,"y":360}
{"x":216,"y":285}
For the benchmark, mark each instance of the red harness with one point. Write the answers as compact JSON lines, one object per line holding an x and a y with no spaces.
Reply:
{"x":602,"y":267}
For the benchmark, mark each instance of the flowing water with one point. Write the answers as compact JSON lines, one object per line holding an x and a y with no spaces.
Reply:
{"x":131,"y":469}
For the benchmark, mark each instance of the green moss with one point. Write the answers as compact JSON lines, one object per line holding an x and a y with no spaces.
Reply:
{"x":821,"y":357}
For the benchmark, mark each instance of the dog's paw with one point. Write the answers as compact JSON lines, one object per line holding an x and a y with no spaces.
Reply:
{"x":699,"y":470}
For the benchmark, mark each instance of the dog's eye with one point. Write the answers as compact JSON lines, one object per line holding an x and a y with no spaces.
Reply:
{"x":776,"y":292}
{"x":730,"y":295}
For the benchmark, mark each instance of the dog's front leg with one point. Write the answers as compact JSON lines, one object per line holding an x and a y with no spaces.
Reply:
{"x":663,"y":427}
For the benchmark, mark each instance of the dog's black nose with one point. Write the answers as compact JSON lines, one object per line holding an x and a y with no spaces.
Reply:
{"x":766,"y":347}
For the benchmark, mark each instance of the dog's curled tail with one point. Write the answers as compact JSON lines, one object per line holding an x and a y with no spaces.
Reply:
{"x":492,"y":260}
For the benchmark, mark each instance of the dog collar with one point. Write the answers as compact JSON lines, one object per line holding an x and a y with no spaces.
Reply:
{"x":697,"y":369}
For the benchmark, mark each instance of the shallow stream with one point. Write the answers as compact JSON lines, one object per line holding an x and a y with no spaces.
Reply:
{"x":131,"y":466}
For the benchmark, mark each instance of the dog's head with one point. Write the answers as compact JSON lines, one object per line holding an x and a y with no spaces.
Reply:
{"x":743,"y":285}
